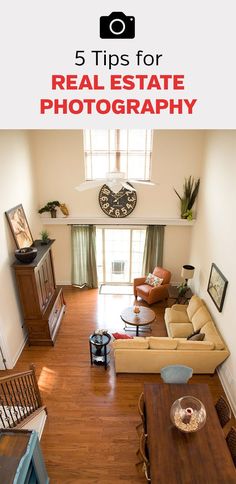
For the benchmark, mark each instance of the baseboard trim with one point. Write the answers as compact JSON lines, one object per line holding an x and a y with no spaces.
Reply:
{"x":11,"y":363}
{"x":227,"y":390}
{"x":64,"y":283}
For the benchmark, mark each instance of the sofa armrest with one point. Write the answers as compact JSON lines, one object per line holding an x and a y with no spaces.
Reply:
{"x":179,"y":307}
{"x":137,"y":282}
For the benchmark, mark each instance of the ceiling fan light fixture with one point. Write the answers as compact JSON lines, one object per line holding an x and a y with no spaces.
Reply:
{"x":115,"y":175}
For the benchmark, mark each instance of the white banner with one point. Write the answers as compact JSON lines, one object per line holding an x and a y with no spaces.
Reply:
{"x":117,"y":64}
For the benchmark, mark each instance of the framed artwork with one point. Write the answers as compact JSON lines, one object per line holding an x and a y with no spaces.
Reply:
{"x":217,"y":286}
{"x":19,"y":227}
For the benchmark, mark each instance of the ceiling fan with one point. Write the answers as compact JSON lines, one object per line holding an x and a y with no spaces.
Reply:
{"x":115,"y":179}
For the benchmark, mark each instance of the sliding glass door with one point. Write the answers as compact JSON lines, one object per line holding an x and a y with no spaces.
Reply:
{"x":119,"y":254}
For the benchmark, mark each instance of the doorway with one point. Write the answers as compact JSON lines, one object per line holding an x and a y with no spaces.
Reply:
{"x":119,"y":254}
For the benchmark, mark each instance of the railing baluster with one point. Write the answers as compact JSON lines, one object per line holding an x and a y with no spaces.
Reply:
{"x":30,"y":393}
{"x":13,"y":400}
{"x":8,"y":417}
{"x":19,"y":398}
{"x":26,"y":409}
{"x":21,"y":402}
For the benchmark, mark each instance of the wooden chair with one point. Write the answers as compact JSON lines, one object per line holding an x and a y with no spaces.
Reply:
{"x":143,"y":451}
{"x":223,"y":411}
{"x":141,"y":410}
{"x":231,"y":442}
{"x":176,"y":373}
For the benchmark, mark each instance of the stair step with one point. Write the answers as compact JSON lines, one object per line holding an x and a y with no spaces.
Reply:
{"x":37,"y":423}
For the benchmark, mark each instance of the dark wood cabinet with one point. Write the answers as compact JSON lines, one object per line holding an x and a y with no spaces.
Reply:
{"x":42,"y":302}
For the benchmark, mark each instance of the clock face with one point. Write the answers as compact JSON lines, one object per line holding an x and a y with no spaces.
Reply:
{"x":117,"y":205}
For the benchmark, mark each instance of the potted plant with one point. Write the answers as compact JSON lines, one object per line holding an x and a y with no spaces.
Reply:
{"x":190,"y":191}
{"x":44,"y":237}
{"x":50,"y":207}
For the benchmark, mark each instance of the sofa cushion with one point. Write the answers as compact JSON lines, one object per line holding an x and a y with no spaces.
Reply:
{"x":132,"y":344}
{"x":180,"y":330}
{"x":175,"y":316}
{"x":194,"y":304}
{"x":195,"y":345}
{"x":200,"y":318}
{"x":153,"y":280}
{"x":211,"y":334}
{"x":162,"y":343}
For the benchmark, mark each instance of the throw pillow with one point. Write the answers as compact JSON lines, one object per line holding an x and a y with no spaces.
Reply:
{"x":193,"y":334}
{"x":153,"y":280}
{"x":197,"y":337}
{"x":121,"y":336}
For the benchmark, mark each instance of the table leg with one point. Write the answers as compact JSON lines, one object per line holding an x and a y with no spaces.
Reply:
{"x":137,"y":328}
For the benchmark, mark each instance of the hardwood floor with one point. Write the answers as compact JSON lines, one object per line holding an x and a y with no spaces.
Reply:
{"x":90,"y":432}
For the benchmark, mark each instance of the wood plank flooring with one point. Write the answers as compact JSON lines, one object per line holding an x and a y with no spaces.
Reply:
{"x":90,"y":434}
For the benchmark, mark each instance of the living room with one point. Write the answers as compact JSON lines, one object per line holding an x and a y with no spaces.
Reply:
{"x":38,"y":166}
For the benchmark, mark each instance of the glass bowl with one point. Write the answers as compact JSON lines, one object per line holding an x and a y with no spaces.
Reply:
{"x":188,"y":414}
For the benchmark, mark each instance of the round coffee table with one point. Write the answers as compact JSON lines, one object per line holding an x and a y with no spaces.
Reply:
{"x":143,"y":318}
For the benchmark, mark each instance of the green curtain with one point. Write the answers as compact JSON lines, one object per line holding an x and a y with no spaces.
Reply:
{"x":153,"y":248}
{"x":84,"y":268}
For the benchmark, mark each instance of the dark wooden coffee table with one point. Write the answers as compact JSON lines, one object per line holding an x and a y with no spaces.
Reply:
{"x":145,"y":317}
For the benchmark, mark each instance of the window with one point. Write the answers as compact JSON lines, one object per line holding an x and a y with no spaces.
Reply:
{"x":119,"y":254}
{"x":127,"y":150}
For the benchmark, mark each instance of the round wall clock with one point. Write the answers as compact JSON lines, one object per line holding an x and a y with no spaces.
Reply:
{"x":117,"y":205}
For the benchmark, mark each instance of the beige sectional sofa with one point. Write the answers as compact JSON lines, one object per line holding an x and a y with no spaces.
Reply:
{"x":149,"y":355}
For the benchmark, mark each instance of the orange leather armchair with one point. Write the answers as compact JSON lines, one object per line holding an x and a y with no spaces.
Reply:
{"x":149,"y":293}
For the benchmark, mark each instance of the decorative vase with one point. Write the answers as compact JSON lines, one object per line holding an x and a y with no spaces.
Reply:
{"x":136,"y":309}
{"x":53,"y":213}
{"x":188,"y":414}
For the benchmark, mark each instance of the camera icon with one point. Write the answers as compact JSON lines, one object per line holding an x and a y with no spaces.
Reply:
{"x":117,"y":25}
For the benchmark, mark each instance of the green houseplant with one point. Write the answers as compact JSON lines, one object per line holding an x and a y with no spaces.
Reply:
{"x":190,"y":191}
{"x":50,"y":207}
{"x":44,"y":237}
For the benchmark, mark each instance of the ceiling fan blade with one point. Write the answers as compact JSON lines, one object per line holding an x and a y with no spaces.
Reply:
{"x":143,"y":182}
{"x":129,"y":187}
{"x":90,"y":184}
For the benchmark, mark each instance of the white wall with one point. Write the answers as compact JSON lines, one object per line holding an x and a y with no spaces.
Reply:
{"x":17,"y":185}
{"x":214,"y":239}
{"x":58,"y":157}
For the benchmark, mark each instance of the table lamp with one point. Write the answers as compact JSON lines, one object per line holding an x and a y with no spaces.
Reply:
{"x":187,"y":273}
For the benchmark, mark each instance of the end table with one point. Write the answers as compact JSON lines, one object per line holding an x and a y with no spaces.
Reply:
{"x":99,"y":349}
{"x":173,"y":293}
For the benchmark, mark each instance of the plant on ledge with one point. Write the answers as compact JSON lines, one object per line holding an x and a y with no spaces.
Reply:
{"x":190,"y":191}
{"x":52,"y":208}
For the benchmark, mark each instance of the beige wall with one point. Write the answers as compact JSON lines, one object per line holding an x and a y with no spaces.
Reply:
{"x":58,"y":158}
{"x":17,"y":185}
{"x":214,"y":239}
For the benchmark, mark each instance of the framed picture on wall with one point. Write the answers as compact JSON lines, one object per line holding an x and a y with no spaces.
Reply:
{"x":19,"y":227}
{"x":217,"y":286}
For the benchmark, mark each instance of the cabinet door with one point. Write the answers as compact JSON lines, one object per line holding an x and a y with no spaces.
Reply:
{"x":45,"y":282}
{"x":48,"y":271}
{"x":40,"y":282}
